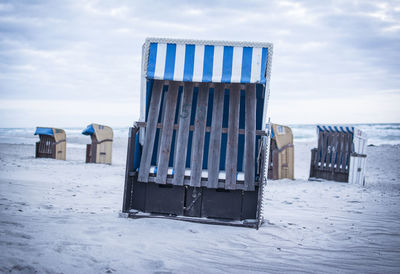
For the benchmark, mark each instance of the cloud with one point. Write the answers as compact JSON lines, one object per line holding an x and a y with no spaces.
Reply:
{"x":80,"y":50}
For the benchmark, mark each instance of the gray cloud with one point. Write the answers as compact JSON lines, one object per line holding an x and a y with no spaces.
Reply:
{"x":91,"y":50}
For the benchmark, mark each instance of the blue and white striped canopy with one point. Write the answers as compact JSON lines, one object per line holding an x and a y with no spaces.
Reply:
{"x":344,"y":129}
{"x":207,"y":61}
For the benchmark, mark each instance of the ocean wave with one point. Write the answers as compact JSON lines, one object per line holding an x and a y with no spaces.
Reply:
{"x":378,"y":134}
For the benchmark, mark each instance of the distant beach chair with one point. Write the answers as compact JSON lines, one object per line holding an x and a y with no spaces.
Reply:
{"x":100,"y":150}
{"x":340,"y":155}
{"x":199,"y":151}
{"x":52,"y":143}
{"x":281,"y":164}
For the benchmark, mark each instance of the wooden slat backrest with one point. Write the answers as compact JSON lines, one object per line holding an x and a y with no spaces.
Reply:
{"x":215,"y":136}
{"x":333,"y":152}
{"x":197,"y":145}
{"x":233,"y":136}
{"x":167,"y":131}
{"x":196,"y":161}
{"x":250,"y":136}
{"x":151,"y":129}
{"x":47,"y":144}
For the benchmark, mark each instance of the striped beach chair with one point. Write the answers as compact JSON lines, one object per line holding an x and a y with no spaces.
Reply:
{"x":199,"y":150}
{"x":340,"y":155}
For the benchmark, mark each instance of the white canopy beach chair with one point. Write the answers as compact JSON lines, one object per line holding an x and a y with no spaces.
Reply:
{"x":340,"y":155}
{"x":198,"y":152}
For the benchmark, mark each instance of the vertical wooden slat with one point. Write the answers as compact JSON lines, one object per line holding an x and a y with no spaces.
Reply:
{"x":339,"y":152}
{"x":215,"y":136}
{"x":159,"y":131}
{"x":250,"y":137}
{"x":349,"y":150}
{"x":183,"y":134}
{"x":166,"y":137}
{"x":196,"y":161}
{"x":232,"y":144}
{"x":151,"y":128}
{"x":324,"y":149}
{"x":333,"y":151}
{"x":318,"y":156}
{"x":343,"y":153}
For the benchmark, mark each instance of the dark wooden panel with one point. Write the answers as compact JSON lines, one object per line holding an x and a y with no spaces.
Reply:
{"x":249,"y":204}
{"x":340,"y":152}
{"x":334,"y":146}
{"x":215,"y":136}
{"x":167,"y":131}
{"x":151,"y":129}
{"x":250,"y":136}
{"x":193,"y":200}
{"x":233,"y":130}
{"x":165,"y":199}
{"x":196,"y":161}
{"x":221,"y":203}
{"x":126,"y":202}
{"x":318,"y":155}
{"x":323,"y":150}
{"x":183,"y":134}
{"x":138,"y":199}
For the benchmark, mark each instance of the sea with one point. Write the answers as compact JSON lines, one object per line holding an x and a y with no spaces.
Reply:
{"x":378,"y":134}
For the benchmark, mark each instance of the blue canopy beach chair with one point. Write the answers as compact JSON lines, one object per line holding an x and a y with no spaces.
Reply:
{"x":52,"y":143}
{"x":199,"y":150}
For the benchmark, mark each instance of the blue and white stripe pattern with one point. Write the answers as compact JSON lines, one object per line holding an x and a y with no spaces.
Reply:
{"x":181,"y":60}
{"x":343,"y":129}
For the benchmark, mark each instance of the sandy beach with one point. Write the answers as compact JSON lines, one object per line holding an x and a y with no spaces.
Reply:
{"x":64,"y":217}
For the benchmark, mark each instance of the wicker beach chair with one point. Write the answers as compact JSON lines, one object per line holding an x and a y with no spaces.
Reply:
{"x":199,"y":151}
{"x":100,"y":150}
{"x":281,"y":160}
{"x":52,"y":143}
{"x":340,"y":155}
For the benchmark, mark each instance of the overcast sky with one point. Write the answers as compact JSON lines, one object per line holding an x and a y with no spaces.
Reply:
{"x":70,"y":63}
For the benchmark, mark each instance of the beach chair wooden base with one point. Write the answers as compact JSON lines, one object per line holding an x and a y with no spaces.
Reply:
{"x":251,"y":223}
{"x":194,"y":204}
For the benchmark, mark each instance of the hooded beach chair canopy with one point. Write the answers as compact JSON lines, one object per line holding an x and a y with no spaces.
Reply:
{"x":101,"y":132}
{"x":282,"y":135}
{"x":203,"y":61}
{"x":58,"y":134}
{"x":207,"y":61}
